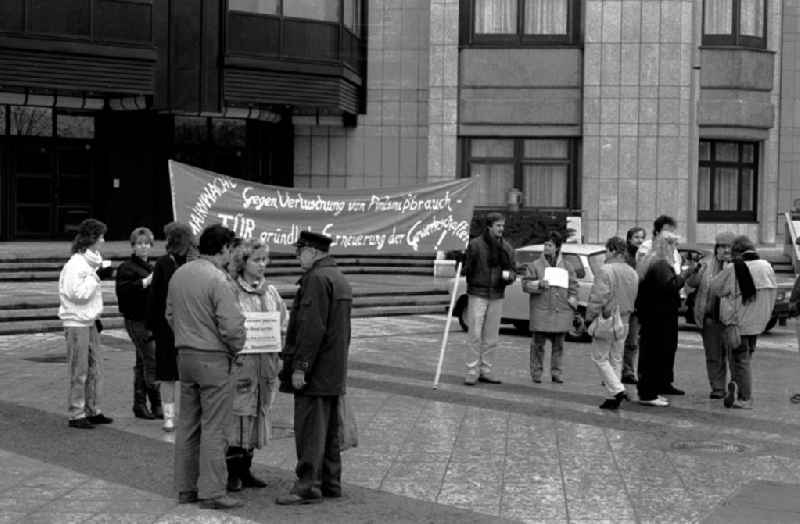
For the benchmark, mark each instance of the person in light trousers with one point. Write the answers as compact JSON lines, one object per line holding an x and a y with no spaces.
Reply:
{"x":489,"y":268}
{"x":204,"y":314}
{"x":615,"y":286}
{"x":80,"y":306}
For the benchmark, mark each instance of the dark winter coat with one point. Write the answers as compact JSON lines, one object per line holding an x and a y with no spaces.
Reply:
{"x":318,"y":337}
{"x":484,"y":280}
{"x":659,"y":292}
{"x":131,"y":293}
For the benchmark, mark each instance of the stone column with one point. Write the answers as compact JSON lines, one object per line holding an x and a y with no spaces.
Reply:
{"x":443,"y":90}
{"x":636,"y":132}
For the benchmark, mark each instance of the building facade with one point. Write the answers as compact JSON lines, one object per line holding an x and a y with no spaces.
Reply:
{"x":613,"y":110}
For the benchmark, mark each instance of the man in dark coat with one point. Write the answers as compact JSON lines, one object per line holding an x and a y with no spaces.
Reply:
{"x":315,"y":370}
{"x":489,"y":268}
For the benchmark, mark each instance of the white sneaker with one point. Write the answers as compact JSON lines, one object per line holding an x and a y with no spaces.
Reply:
{"x":658,"y":402}
{"x":169,"y":417}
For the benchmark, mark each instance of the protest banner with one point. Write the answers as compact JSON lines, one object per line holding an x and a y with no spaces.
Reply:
{"x":416,"y":219}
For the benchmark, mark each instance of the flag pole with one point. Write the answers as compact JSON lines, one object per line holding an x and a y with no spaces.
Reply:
{"x":447,"y":326}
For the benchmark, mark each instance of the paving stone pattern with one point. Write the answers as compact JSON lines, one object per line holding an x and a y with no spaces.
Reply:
{"x":516,"y":451}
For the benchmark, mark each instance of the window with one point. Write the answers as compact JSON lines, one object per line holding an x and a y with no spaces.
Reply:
{"x":727,"y":181}
{"x":735,"y":23}
{"x":261,"y":7}
{"x":327,"y":10}
{"x":543,"y":169}
{"x":351,"y":13}
{"x":521,"y":22}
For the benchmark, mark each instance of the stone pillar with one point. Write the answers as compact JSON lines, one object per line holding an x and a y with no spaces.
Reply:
{"x":443,"y":90}
{"x":636,"y":132}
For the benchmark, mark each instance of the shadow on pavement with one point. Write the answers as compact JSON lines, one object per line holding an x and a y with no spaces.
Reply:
{"x":145,"y":464}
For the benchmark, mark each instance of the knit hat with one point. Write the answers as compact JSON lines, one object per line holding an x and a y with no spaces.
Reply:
{"x":724,"y":239}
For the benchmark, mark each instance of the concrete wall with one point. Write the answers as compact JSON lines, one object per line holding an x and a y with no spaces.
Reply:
{"x":789,"y":115}
{"x":520,"y":92}
{"x":636,"y":112}
{"x":389,"y":147}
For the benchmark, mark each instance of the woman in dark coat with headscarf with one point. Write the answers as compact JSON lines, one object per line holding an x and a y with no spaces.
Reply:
{"x":180,"y":245}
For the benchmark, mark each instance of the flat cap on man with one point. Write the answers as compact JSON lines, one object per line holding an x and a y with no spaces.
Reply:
{"x":315,"y":240}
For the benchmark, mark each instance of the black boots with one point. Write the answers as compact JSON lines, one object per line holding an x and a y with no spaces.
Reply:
{"x":248,"y":480}
{"x":238,"y":461}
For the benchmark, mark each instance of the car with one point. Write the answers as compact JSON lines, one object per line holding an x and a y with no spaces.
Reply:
{"x":585,"y":259}
{"x":692,"y":254}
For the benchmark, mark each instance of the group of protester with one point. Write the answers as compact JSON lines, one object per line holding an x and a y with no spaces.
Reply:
{"x":632,"y":310}
{"x":186,"y":315}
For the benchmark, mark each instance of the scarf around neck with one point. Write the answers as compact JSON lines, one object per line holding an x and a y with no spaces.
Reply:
{"x":498,"y":256}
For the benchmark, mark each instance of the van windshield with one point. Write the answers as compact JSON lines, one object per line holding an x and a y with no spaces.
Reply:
{"x":596,"y":260}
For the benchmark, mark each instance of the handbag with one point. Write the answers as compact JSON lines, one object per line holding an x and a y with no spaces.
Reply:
{"x":729,"y":318}
{"x":608,"y":328}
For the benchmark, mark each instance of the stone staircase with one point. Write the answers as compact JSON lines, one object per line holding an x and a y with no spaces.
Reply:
{"x":382,"y":286}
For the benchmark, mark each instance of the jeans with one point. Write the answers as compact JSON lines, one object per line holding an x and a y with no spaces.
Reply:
{"x":631,"y":348}
{"x":483,"y":317}
{"x":85,"y":367}
{"x":537,"y":353}
{"x":740,"y":366}
{"x":144,"y":371}
{"x":206,"y":408}
{"x":716,"y":356}
{"x":607,"y":356}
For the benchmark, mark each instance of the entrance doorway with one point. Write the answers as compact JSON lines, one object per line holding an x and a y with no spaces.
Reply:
{"x":50,"y":187}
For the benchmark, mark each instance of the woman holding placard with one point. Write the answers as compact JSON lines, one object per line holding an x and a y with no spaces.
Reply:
{"x":254,"y":372}
{"x":553,"y":288}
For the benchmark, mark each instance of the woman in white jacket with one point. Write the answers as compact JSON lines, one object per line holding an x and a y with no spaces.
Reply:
{"x":81,"y":303}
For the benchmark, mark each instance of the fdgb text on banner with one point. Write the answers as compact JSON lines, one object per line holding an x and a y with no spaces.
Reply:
{"x":415,"y":219}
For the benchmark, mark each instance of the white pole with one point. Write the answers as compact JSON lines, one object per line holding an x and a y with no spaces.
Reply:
{"x":447,"y":326}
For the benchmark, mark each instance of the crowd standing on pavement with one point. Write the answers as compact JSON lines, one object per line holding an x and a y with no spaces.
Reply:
{"x":632,"y":312}
{"x":186,"y":315}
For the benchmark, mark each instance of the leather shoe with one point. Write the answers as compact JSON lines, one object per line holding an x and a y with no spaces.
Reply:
{"x":293,"y":499}
{"x":488,"y":379}
{"x":143,"y":412}
{"x":187,"y":497}
{"x":537,"y":380}
{"x":672,"y":390}
{"x":100,"y":419}
{"x":331,"y":493}
{"x":470,"y":380}
{"x":717,"y":395}
{"x":223,"y":502}
{"x":81,"y":423}
{"x":558,"y":380}
{"x":158,"y":412}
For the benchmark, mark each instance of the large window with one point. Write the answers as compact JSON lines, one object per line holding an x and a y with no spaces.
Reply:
{"x":543,"y":169}
{"x":735,"y":22}
{"x":521,"y":22}
{"x":326,"y":10}
{"x":727,"y":181}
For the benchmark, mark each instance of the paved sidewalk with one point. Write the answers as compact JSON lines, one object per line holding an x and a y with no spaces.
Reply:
{"x":512,"y":452}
